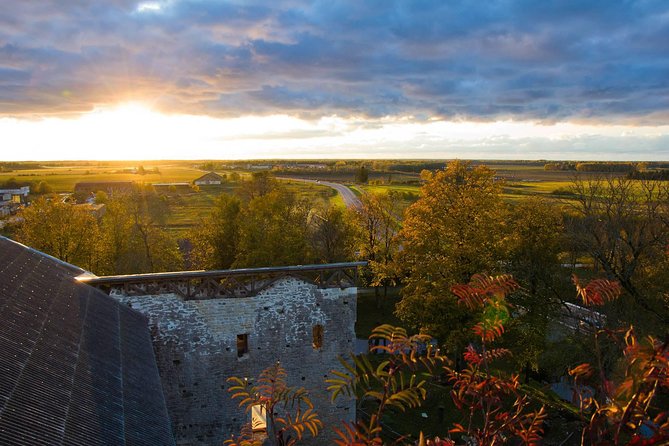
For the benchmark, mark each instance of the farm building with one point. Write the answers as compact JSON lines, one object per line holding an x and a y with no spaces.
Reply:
{"x":19,"y":195}
{"x":211,"y":178}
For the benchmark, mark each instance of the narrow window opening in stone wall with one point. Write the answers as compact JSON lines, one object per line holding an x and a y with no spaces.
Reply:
{"x":317,"y":332}
{"x":258,"y":418}
{"x":242,"y":345}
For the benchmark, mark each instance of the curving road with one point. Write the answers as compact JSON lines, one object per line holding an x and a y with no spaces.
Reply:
{"x":350,"y":199}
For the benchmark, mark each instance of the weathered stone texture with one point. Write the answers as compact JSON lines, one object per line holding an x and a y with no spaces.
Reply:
{"x":196,"y":348}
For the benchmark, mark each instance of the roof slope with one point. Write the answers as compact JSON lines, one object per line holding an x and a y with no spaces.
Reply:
{"x":211,"y":176}
{"x":76,"y":367}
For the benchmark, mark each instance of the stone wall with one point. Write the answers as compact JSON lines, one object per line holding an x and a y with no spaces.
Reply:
{"x":195,"y":343}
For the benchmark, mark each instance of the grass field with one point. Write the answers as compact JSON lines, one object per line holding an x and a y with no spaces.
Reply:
{"x":63,"y":178}
{"x":187,"y":209}
{"x":521,"y":180}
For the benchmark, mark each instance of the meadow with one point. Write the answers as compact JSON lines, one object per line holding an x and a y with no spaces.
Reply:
{"x":188,"y":207}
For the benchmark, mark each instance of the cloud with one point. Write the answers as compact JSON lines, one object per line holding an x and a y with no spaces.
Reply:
{"x":520,"y":59}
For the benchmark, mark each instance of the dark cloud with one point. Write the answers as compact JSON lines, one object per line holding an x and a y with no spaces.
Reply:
{"x":522,"y":59}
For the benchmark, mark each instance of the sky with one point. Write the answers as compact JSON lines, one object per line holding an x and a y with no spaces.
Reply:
{"x":242,"y":79}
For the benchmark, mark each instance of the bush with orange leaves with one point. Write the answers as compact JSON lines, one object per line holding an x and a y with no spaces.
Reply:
{"x":496,"y":410}
{"x":623,"y":411}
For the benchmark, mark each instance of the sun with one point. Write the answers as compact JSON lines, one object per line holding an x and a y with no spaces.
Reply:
{"x":125,"y":131}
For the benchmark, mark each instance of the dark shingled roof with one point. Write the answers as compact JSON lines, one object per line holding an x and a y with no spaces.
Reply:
{"x":76,"y":367}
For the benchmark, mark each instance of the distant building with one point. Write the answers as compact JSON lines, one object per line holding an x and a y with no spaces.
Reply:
{"x":12,"y":199}
{"x":207,"y":179}
{"x":18,"y":196}
{"x":109,"y":187}
{"x":259,"y":166}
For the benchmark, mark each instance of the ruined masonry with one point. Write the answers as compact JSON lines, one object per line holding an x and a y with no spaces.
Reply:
{"x":200,"y":341}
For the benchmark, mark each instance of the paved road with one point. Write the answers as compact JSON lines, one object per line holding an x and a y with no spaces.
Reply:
{"x":350,"y":199}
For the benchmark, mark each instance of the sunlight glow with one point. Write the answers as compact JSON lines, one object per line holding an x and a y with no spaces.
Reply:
{"x":134,"y":131}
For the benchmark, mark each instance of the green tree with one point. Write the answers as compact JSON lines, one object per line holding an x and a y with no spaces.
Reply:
{"x":216,"y":237}
{"x":62,"y":230}
{"x":274,"y":231}
{"x":455,"y":229}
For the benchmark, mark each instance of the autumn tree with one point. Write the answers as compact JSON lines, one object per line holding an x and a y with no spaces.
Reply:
{"x":274,"y":231}
{"x":533,"y":246}
{"x":361,"y":174}
{"x":331,"y":234}
{"x":43,"y":188}
{"x":623,"y":225}
{"x":492,"y":408}
{"x":133,"y":236}
{"x":378,"y":223}
{"x":289,"y":413}
{"x":259,"y":185}
{"x":455,"y":230}
{"x":216,"y":237}
{"x":62,"y":230}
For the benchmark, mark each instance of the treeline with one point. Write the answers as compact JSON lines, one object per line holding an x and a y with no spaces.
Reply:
{"x":264,"y":224}
{"x":36,"y":187}
{"x":12,"y":166}
{"x":655,"y":175}
{"x":594,"y":166}
{"x":127,"y":238}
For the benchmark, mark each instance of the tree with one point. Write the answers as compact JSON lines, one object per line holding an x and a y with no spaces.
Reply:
{"x":43,"y":188}
{"x":215,"y":239}
{"x":493,"y":408}
{"x":101,"y":197}
{"x":534,"y":243}
{"x":62,"y":230}
{"x":623,"y":406}
{"x":274,"y":231}
{"x":398,"y":383}
{"x":623,"y":225}
{"x":259,"y":185}
{"x":378,"y":224}
{"x":454,"y":230}
{"x":288,"y":410}
{"x":361,"y":175}
{"x":331,"y":234}
{"x":133,"y":238}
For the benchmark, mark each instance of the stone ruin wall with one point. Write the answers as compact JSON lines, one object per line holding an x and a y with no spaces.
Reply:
{"x":195,"y":343}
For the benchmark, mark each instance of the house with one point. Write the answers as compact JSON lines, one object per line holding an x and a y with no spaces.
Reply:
{"x":12,"y":199}
{"x":17,"y":196}
{"x":207,"y":179}
{"x":76,"y":366}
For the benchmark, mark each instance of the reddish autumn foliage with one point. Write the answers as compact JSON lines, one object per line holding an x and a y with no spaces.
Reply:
{"x":621,"y":409}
